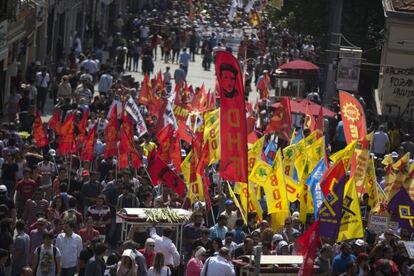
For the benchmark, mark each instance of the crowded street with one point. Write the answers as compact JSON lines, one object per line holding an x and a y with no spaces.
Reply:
{"x":206,"y":138}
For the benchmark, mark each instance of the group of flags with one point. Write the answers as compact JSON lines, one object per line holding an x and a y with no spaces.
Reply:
{"x":328,"y":188}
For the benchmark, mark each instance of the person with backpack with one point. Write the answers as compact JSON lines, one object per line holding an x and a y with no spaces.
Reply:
{"x":46,"y":258}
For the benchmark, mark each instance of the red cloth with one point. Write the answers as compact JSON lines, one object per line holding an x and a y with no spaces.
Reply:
{"x":88,"y":236}
{"x":149,"y":257}
{"x":39,"y":132}
{"x":308,"y":243}
{"x":26,"y":188}
{"x":194,"y":267}
{"x":67,"y":137}
{"x":88,"y":146}
{"x":111,"y":135}
{"x":281,"y":122}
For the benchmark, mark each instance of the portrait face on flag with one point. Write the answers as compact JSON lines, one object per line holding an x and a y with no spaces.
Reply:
{"x":227,"y":80}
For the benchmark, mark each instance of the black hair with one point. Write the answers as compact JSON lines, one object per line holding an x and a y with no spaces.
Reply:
{"x":228,"y":67}
{"x":100,"y":248}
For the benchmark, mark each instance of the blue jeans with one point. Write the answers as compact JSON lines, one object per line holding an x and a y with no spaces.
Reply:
{"x":68,"y":271}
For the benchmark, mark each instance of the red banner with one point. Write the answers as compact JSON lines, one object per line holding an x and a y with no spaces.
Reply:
{"x":353,"y":117}
{"x":162,"y":174}
{"x":67,"y":139}
{"x":54,"y":122}
{"x":87,"y":149}
{"x":39,"y":132}
{"x":233,"y":126}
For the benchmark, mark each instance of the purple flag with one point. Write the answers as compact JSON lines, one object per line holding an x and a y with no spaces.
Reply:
{"x":330,"y":213}
{"x":401,"y":207}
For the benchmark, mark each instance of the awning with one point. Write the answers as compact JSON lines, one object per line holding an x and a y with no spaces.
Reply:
{"x":299,"y":64}
{"x":306,"y":106}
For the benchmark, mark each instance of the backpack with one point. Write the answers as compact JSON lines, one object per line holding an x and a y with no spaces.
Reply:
{"x":38,"y":250}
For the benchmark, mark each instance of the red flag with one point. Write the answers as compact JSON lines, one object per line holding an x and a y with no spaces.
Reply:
{"x":170,"y":150}
{"x":82,"y":126}
{"x":39,"y":132}
{"x":185,"y":132}
{"x":144,"y":94}
{"x":281,"y":121}
{"x":88,"y":145}
{"x":233,"y":126}
{"x":111,"y":135}
{"x":319,"y":124}
{"x":123,"y":148}
{"x":332,"y":175}
{"x":308,"y":243}
{"x":353,"y":117}
{"x":67,"y":139}
{"x":54,"y":122}
{"x":162,"y":174}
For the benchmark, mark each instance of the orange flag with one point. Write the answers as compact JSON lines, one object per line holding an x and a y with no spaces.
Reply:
{"x":67,"y":138}
{"x":123,"y":148}
{"x":170,"y":150}
{"x":353,"y":117}
{"x":54,"y":122}
{"x":88,"y":145}
{"x":111,"y":135}
{"x":39,"y":132}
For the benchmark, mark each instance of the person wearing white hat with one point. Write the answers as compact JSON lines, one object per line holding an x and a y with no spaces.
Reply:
{"x":127,"y":265}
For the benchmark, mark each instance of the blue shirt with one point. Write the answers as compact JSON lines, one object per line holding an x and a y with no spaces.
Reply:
{"x":340,"y":134}
{"x":238,"y":235}
{"x":216,"y":231}
{"x":340,"y":262}
{"x":185,"y":58}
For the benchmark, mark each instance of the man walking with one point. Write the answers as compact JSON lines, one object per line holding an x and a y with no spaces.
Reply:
{"x":42,"y":83}
{"x":184,"y":60}
{"x":70,"y":246}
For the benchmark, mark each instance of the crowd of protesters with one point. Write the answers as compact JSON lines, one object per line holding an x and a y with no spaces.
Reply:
{"x":58,"y":214}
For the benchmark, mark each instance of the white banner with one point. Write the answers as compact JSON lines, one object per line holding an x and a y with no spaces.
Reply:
{"x":396,"y":92}
{"x":132,"y":108}
{"x":348,"y":69}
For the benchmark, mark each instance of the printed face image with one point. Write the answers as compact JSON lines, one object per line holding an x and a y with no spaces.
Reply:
{"x":228,"y":80}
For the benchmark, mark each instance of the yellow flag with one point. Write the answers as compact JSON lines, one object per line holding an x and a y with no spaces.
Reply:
{"x":236,"y":202}
{"x":253,"y":205}
{"x":275,"y":190}
{"x":260,"y":172}
{"x":345,"y":155}
{"x":315,"y":152}
{"x":289,"y":156}
{"x":195,"y":187}
{"x":400,"y":169}
{"x":351,"y":222}
{"x":254,"y":153}
{"x":409,"y":182}
{"x":371,"y":184}
{"x":211,"y":135}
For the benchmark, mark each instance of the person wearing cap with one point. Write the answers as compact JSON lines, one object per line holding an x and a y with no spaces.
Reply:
{"x":340,"y":262}
{"x":148,"y":251}
{"x":6,"y":200}
{"x":127,"y":265}
{"x":70,"y":246}
{"x":230,"y":213}
{"x":358,"y":246}
{"x":90,"y":189}
{"x":196,"y":263}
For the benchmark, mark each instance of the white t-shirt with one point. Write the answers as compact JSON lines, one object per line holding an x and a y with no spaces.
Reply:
{"x":379,"y":143}
{"x":165,"y":271}
{"x":47,"y":265}
{"x":42,"y":80}
{"x":46,"y":171}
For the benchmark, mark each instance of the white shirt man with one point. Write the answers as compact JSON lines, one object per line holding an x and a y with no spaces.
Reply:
{"x":42,"y":79}
{"x":380,"y":142}
{"x":91,"y":65}
{"x":165,"y":245}
{"x":219,"y":265}
{"x":105,"y":83}
{"x":70,"y":246}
